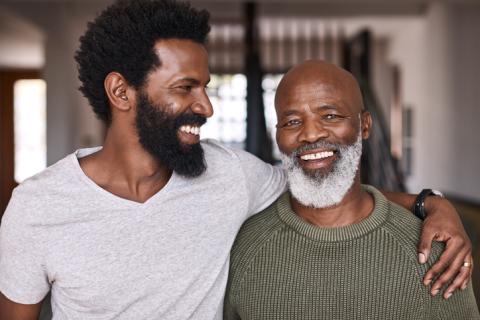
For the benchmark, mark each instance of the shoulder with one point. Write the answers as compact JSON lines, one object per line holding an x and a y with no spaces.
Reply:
{"x":214,"y":147}
{"x":215,"y":150}
{"x":254,"y":234}
{"x":399,"y":222}
{"x":31,"y":197}
{"x":221,"y":158}
{"x":404,"y":228}
{"x":51,"y":177}
{"x":257,"y":227}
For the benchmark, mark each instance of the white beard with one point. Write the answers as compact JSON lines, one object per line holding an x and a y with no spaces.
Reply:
{"x":322,"y":191}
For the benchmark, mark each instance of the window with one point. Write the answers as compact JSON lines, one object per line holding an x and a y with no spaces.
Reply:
{"x":269,"y":84}
{"x":228,"y":124}
{"x":30,"y":147}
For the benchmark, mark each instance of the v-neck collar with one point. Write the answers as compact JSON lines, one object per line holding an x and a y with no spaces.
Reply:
{"x":80,"y":153}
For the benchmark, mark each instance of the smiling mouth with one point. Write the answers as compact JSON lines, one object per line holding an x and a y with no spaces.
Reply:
{"x":317,"y":155}
{"x":191,"y":129}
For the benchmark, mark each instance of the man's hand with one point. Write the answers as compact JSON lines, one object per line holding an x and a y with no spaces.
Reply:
{"x":443,"y":224}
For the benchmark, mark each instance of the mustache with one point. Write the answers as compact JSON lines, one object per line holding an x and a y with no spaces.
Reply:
{"x":316,"y":145}
{"x":189,"y":119}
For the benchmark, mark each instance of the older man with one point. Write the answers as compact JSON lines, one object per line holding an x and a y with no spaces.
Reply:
{"x":331,"y":248}
{"x":142,"y":228}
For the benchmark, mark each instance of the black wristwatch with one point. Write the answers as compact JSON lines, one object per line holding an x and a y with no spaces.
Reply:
{"x":419,"y":205}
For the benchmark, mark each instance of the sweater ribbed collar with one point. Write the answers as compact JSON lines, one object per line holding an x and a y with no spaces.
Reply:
{"x":373,"y":221}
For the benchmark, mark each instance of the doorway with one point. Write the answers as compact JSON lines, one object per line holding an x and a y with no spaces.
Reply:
{"x":17,"y":94}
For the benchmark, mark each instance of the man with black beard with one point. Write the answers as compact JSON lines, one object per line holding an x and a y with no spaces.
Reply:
{"x":331,"y":248}
{"x":142,"y":227}
{"x":157,"y":134}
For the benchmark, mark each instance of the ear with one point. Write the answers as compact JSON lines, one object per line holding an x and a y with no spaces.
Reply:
{"x":119,"y":92}
{"x":366,"y":124}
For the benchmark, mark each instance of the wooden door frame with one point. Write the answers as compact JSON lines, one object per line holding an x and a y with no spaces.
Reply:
{"x":7,"y":165}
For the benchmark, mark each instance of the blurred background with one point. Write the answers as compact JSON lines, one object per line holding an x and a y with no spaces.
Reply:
{"x":417,"y":62}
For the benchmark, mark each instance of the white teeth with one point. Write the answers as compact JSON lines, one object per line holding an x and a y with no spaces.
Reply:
{"x":190,"y":129}
{"x":318,"y":155}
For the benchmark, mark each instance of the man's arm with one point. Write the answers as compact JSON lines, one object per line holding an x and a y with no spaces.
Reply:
{"x":23,"y":278}
{"x":441,"y":224}
{"x":10,"y":310}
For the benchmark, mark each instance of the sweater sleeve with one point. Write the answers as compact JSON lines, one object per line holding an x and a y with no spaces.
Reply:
{"x":460,"y":306}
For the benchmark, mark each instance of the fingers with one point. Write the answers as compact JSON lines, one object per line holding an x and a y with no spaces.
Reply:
{"x":456,"y":272}
{"x":425,"y":245}
{"x":468,"y":258}
{"x":452,"y":248}
{"x":460,"y":282}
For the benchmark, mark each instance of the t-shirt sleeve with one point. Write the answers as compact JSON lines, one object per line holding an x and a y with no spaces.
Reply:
{"x":264,"y":182}
{"x":23,"y":277}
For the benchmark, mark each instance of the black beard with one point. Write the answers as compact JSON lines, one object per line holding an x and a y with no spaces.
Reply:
{"x":157,"y":132}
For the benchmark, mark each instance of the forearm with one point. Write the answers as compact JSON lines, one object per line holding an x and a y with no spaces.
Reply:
{"x":10,"y":310}
{"x":402,"y":199}
{"x":432,"y":203}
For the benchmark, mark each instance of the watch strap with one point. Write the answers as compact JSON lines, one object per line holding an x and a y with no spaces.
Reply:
{"x":419,"y":205}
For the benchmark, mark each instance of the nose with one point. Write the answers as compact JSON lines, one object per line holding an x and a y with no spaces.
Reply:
{"x":312,"y":131}
{"x":202,"y":105}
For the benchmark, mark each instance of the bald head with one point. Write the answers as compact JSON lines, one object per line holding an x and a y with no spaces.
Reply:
{"x":320,"y":129}
{"x":317,"y":77}
{"x":318,"y":101}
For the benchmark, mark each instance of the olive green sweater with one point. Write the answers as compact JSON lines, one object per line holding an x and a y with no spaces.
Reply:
{"x":282,"y":267}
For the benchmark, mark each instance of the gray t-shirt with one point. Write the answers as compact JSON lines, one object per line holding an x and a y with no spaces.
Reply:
{"x":105,"y":257}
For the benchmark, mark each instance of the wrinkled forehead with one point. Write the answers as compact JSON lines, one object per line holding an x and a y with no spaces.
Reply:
{"x":315,"y":92}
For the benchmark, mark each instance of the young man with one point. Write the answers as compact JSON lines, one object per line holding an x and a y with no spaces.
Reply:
{"x":330,"y":248}
{"x":142,"y":228}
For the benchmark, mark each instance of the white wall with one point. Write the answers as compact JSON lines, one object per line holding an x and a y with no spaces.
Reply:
{"x":21,"y":42}
{"x":465,"y":103}
{"x":70,"y":121}
{"x":438,"y":56}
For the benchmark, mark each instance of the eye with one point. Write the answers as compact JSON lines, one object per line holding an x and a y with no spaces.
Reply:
{"x":292,"y":123}
{"x":332,"y":117}
{"x":185,"y":88}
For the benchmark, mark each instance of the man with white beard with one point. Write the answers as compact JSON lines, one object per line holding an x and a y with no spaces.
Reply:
{"x":331,"y":248}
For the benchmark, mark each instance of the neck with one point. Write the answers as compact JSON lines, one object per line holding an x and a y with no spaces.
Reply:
{"x":124,"y":168}
{"x":355,"y":206}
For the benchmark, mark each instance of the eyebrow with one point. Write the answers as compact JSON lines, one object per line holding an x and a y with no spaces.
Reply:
{"x":190,"y":80}
{"x":291,"y":112}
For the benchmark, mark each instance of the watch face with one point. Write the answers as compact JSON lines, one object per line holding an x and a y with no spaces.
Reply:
{"x":437,"y":193}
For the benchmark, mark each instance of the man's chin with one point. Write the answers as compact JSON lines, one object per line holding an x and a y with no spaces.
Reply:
{"x":190,"y":147}
{"x":317,"y":174}
{"x":191,"y":162}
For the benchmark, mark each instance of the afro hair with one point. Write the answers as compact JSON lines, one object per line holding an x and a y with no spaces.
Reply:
{"x":122,"y":38}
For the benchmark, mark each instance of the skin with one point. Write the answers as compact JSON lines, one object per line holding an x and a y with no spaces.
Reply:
{"x":126,"y":170}
{"x":10,"y":310}
{"x":319,"y":101}
{"x":123,"y":167}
